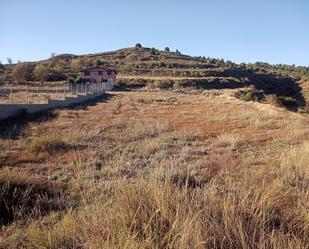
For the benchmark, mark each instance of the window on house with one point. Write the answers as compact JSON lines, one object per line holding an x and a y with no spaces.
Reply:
{"x":100,"y":73}
{"x":86,"y":73}
{"x":109,"y":72}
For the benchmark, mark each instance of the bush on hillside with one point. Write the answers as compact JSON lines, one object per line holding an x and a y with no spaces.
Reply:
{"x":71,"y":80}
{"x":23,"y":72}
{"x":281,"y":101}
{"x":153,"y":51}
{"x":251,"y":95}
{"x":98,"y":62}
{"x":41,"y":72}
{"x":78,"y":79}
{"x":163,"y":84}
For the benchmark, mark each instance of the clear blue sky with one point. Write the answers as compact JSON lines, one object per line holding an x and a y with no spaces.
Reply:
{"x":275,"y":31}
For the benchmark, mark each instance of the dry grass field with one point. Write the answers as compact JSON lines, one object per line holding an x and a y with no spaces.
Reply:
{"x":23,"y":97}
{"x":157,"y":169}
{"x":40,"y":94}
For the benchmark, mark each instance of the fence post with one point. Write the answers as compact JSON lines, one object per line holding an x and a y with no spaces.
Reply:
{"x":27,"y":100}
{"x":11,"y":95}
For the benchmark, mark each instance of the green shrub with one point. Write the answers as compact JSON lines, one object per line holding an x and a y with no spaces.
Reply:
{"x":98,"y":62}
{"x":251,"y":95}
{"x":153,"y":51}
{"x":71,"y":80}
{"x":78,"y":79}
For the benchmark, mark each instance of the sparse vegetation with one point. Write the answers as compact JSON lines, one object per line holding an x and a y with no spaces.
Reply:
{"x":22,"y":196}
{"x":163,"y":84}
{"x":190,"y":168}
{"x":23,"y":72}
{"x":141,"y":65}
{"x":41,"y":73}
{"x":158,"y":170}
{"x":98,"y":62}
{"x":229,"y":140}
{"x":9,"y":60}
{"x":251,"y":95}
{"x":48,"y":144}
{"x":1,"y":66}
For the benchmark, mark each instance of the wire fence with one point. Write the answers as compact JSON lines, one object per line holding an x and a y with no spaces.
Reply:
{"x":26,"y":94}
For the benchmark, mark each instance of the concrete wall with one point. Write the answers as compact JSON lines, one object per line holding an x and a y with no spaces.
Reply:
{"x":8,"y":111}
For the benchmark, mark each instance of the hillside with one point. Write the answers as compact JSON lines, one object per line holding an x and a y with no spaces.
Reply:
{"x":282,"y":85}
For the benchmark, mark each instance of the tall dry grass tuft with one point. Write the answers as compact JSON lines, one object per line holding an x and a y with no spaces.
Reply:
{"x":294,"y":165}
{"x":229,"y":140}
{"x":22,"y":196}
{"x":153,"y":213}
{"x":48,"y":144}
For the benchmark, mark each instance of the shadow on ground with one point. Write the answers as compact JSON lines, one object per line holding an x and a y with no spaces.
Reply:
{"x":286,"y":89}
{"x":123,"y":87}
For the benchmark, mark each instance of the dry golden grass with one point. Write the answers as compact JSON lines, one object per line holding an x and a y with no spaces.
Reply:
{"x":229,"y":140}
{"x":166,"y":170}
{"x":23,"y":97}
{"x":48,"y":144}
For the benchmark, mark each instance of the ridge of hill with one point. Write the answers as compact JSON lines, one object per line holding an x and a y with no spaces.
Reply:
{"x":284,"y":85}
